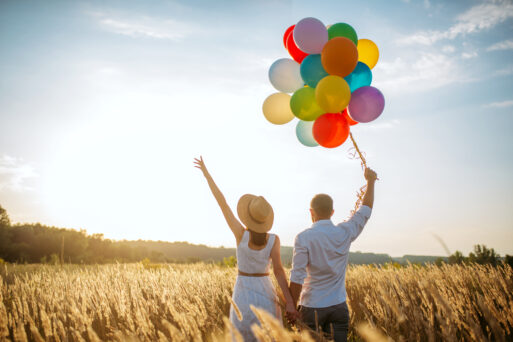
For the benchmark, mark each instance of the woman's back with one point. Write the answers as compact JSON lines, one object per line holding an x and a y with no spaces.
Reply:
{"x":254,"y":261}
{"x":253,"y":286}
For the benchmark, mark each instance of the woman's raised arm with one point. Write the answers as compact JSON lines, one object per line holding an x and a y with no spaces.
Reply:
{"x":233,"y":223}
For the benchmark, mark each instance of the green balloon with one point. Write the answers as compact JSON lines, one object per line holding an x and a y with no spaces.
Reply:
{"x":304,"y":106}
{"x":343,"y":30}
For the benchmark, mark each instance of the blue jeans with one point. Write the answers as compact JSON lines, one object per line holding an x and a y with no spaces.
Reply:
{"x":333,"y":319}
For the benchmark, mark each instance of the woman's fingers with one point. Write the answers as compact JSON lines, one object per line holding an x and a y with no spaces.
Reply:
{"x":198,"y":163}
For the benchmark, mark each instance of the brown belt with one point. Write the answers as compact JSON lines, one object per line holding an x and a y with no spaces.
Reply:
{"x":253,"y":274}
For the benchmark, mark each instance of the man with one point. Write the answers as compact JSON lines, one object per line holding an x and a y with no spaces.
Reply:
{"x":320,"y":261}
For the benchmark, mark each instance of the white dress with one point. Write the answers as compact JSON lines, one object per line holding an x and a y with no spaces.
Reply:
{"x":256,"y":291}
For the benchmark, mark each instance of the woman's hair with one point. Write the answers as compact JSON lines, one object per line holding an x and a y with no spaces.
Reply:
{"x":258,"y":239}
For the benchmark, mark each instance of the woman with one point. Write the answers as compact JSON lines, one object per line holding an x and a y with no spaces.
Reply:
{"x":255,"y":250}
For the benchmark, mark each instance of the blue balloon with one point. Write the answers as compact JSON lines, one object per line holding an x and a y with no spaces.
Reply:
{"x":304,"y":133}
{"x":360,"y":77}
{"x":312,"y":71}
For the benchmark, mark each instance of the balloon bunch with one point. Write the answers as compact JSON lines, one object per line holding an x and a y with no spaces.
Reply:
{"x":329,"y":77}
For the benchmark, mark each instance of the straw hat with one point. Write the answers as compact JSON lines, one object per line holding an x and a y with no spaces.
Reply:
{"x":256,"y":213}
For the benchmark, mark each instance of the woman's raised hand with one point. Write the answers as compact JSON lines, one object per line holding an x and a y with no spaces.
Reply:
{"x":200,"y":164}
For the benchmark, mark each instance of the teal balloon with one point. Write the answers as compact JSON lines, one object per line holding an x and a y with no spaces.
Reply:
{"x":304,"y":133}
{"x":312,"y":71}
{"x":360,"y":77}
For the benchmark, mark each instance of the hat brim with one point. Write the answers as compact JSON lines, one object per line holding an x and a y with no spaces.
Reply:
{"x":245,"y":217}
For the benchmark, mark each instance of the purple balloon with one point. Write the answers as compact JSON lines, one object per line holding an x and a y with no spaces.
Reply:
{"x":367,"y":103}
{"x":310,"y":35}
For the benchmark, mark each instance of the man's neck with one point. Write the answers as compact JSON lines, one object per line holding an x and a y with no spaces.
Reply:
{"x":321,"y":219}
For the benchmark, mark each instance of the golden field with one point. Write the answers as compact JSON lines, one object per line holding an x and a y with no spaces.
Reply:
{"x":144,"y":302}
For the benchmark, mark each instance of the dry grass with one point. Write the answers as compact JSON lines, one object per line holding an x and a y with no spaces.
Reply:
{"x":191,"y":302}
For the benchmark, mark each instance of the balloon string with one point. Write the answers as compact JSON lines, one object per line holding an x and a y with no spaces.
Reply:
{"x":361,"y":192}
{"x":362,"y":158}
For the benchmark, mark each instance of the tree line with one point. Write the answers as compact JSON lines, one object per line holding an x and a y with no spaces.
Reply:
{"x":481,"y":255}
{"x":37,"y":243}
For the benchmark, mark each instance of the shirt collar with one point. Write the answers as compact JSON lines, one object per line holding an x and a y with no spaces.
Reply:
{"x":321,"y":223}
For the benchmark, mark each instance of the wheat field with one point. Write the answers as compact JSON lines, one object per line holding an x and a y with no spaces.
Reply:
{"x":144,"y":302}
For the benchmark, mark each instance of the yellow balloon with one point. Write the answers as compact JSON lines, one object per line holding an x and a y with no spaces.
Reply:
{"x":368,"y":52}
{"x":332,"y":94}
{"x":276,"y":108}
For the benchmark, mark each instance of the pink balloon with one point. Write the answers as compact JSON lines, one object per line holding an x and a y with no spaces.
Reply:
{"x":310,"y":35}
{"x":367,"y":103}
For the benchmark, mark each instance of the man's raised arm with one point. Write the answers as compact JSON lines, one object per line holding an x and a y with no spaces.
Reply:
{"x":368,"y":198}
{"x":356,"y":223}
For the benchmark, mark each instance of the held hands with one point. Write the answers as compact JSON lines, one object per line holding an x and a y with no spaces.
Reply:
{"x":370,"y":175}
{"x":200,"y":164}
{"x":292,"y":314}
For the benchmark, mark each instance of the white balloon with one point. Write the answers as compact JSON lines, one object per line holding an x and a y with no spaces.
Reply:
{"x":304,"y":133}
{"x":285,"y":76}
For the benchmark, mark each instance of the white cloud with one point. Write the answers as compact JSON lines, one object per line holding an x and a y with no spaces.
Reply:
{"x":505,"y":71}
{"x":428,"y":71}
{"x":504,"y":45}
{"x":379,"y":125}
{"x":448,"y":49}
{"x":14,"y":173}
{"x":427,"y":4}
{"x":502,"y":104}
{"x":476,"y":19}
{"x":468,"y":55}
{"x":146,"y":27}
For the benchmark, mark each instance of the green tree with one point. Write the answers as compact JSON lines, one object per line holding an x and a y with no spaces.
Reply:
{"x":5,"y":234}
{"x":54,"y":259}
{"x":508,"y":259}
{"x":4,"y":218}
{"x":483,"y":255}
{"x":439,"y":261}
{"x":456,"y":258}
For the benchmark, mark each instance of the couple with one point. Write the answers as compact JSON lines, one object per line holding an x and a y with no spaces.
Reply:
{"x":319,"y":263}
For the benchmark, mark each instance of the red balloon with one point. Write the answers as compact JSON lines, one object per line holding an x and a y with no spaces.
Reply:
{"x":286,"y":35}
{"x":350,"y":121}
{"x":294,"y":51}
{"x":331,"y":130}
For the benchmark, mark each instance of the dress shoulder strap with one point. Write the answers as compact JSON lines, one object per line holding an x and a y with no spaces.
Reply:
{"x":245,"y":236}
{"x":270,"y":243}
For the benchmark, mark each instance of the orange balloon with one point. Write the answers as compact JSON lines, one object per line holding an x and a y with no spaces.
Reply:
{"x":339,"y":56}
{"x":350,"y":121}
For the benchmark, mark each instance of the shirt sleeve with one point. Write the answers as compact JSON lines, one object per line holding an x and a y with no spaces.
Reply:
{"x":299,"y":262}
{"x":356,"y":223}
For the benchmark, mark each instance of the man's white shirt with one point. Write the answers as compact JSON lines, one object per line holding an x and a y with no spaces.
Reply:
{"x":320,"y":259}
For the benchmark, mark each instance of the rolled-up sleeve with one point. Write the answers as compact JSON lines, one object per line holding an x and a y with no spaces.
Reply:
{"x":299,"y":262}
{"x":356,"y":223}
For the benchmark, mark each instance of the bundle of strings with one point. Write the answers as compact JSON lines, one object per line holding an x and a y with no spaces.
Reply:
{"x":355,"y":153}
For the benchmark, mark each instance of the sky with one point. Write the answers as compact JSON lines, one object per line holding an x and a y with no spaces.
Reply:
{"x":104,"y":105}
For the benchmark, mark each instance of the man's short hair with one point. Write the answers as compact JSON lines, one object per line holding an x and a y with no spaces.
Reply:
{"x":322,"y":204}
